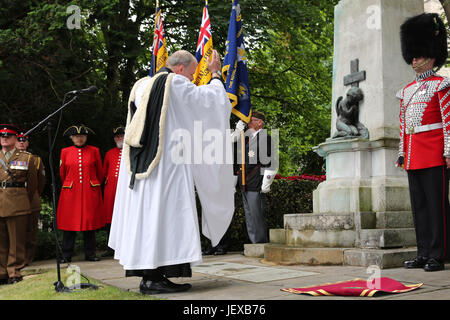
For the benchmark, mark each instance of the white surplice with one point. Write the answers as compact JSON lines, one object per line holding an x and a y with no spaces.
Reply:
{"x":155,"y":223}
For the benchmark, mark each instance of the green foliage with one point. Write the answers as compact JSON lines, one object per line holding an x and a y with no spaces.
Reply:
{"x":289,"y":46}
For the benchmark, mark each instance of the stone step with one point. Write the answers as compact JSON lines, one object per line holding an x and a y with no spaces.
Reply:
{"x":383,"y":258}
{"x":384,"y":220}
{"x":320,"y":238}
{"x":288,"y":255}
{"x":254,"y":250}
{"x":277,"y":236}
{"x":319,"y":221}
{"x":387,"y":238}
{"x":394,"y":219}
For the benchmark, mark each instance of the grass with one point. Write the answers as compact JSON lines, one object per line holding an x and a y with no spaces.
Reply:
{"x":40,"y":286}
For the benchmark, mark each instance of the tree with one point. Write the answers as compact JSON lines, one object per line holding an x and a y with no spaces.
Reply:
{"x":289,"y":52}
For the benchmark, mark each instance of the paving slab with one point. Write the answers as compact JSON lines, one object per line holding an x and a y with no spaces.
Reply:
{"x":236,"y":277}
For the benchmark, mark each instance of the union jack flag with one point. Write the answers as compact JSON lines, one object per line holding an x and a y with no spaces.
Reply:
{"x":204,"y":50}
{"x":159,"y":54}
{"x":204,"y":35}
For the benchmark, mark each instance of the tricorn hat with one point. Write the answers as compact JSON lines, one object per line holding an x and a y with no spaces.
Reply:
{"x":77,"y":130}
{"x":8,"y":130}
{"x":424,"y":36}
{"x":119,"y":130}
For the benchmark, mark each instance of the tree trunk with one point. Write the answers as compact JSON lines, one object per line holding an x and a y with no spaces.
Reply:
{"x":446,"y":5}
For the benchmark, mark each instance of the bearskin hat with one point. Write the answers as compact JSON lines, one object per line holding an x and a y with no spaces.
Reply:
{"x":425,"y":36}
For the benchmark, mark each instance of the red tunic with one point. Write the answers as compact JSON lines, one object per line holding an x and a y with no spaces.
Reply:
{"x":111,"y":165}
{"x":425,"y":102}
{"x":80,"y":206}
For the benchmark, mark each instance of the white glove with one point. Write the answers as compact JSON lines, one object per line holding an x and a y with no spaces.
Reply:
{"x":269,"y":175}
{"x":235,"y":182}
{"x":237,"y":131}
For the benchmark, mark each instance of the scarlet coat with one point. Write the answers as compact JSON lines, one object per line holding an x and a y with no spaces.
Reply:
{"x":80,"y":206}
{"x":111,"y":165}
{"x":425,"y":101}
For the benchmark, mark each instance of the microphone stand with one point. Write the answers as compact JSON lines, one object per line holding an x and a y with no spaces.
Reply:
{"x":59,"y":285}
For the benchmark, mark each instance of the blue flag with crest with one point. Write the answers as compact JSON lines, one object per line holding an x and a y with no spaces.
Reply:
{"x":234,"y":70}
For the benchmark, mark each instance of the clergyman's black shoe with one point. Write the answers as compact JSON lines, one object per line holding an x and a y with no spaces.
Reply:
{"x":162,"y":286}
{"x":434,"y":265}
{"x":418,"y":262}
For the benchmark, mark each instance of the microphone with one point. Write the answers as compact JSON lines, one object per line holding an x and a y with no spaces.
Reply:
{"x":91,"y":89}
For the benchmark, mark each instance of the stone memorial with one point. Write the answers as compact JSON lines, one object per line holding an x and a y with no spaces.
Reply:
{"x":361,"y":213}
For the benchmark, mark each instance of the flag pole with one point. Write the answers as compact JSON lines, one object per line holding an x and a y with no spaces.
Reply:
{"x":243,"y":158}
{"x":154,"y":29}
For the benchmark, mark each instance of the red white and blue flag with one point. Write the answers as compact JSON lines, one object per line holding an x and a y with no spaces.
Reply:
{"x":204,"y":50}
{"x":159,"y":54}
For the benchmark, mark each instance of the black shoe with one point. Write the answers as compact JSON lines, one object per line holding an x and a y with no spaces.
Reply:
{"x":3,"y":281}
{"x":220,"y":252}
{"x":418,"y":262}
{"x":14,"y":280}
{"x":108,"y":253}
{"x":162,"y":286}
{"x":65,"y":260}
{"x":92,"y":258}
{"x":209,"y":251}
{"x":434,"y":265}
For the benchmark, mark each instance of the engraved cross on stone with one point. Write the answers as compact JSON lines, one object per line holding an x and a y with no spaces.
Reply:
{"x":355,"y":76}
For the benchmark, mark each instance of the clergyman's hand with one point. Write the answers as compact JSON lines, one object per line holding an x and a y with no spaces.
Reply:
{"x":213,"y":63}
{"x":447,"y":162}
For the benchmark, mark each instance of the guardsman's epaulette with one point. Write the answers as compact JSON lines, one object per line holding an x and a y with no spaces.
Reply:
{"x":23,"y":151}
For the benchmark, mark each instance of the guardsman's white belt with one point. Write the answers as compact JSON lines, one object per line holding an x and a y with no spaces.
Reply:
{"x":424,"y":128}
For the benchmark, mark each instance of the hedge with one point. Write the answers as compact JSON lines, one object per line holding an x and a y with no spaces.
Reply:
{"x":287,"y":195}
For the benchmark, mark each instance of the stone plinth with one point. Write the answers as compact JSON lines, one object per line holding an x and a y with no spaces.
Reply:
{"x":361,"y":177}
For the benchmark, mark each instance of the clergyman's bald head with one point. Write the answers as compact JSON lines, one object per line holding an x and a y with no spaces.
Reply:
{"x":183,"y":63}
{"x":181,"y":57}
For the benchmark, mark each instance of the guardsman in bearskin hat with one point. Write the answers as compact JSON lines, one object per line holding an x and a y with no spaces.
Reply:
{"x":80,"y":206}
{"x":18,"y":183}
{"x":111,"y":165}
{"x":22,"y":144}
{"x":424,"y":149}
